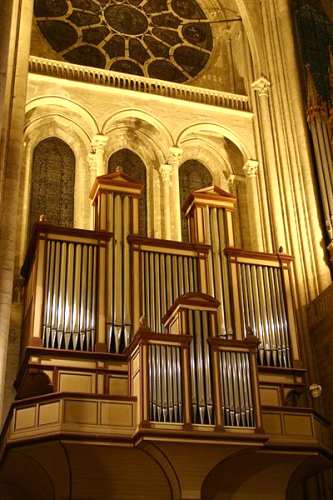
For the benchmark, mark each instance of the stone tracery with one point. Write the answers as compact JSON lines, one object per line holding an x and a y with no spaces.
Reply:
{"x":159,"y":39}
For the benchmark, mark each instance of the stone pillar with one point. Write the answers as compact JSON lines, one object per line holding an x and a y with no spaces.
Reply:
{"x":166,"y":171}
{"x":176,"y":225}
{"x":92,"y":177}
{"x":251,"y":171}
{"x":261,"y":88}
{"x":14,"y":70}
{"x":98,"y":145}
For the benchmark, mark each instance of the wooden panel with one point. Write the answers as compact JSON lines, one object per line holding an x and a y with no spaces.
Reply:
{"x":117,"y":414}
{"x":49,"y":413}
{"x":25,"y":418}
{"x":80,"y":412}
{"x":75,"y":382}
{"x":298,"y":425}
{"x":270,"y":396}
{"x":272,"y":423}
{"x":118,"y":386}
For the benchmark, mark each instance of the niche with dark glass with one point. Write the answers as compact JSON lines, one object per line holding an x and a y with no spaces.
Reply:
{"x":133,"y":166}
{"x":52,"y":183}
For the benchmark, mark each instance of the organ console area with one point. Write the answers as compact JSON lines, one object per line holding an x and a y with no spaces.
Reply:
{"x":138,"y":338}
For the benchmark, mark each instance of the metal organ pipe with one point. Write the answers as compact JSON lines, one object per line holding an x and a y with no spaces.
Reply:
{"x":237,"y":401}
{"x":164,"y":277}
{"x":264,"y":311}
{"x":165,"y":384}
{"x":118,"y":282}
{"x":70,"y":295}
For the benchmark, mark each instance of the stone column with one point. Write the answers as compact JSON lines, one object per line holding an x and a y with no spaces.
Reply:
{"x":251,"y":171}
{"x":14,"y":69}
{"x":261,"y":88}
{"x":176,"y":225}
{"x":92,"y":162}
{"x":166,"y":171}
{"x":98,"y":145}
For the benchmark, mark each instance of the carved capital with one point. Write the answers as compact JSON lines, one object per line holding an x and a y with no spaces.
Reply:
{"x":166,"y":172}
{"x":262,"y":86}
{"x":175,"y":154}
{"x":251,"y":168}
{"x":99,"y":142}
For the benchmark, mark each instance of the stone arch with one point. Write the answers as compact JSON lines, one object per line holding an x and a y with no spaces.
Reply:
{"x":212,"y":157}
{"x":125,"y":134}
{"x":132,"y":164}
{"x":82,"y":115}
{"x":221,"y":150}
{"x":49,"y":123}
{"x":217,"y":131}
{"x":144,"y":123}
{"x":258,"y":475}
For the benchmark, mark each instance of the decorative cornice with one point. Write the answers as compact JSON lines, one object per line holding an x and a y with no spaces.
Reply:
{"x":251,"y":168}
{"x":134,"y":83}
{"x":261,"y":86}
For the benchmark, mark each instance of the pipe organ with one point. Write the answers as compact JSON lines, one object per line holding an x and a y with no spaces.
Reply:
{"x":115,"y":201}
{"x":69,"y":320}
{"x":194,"y":318}
{"x":209,"y":218}
{"x":264,"y":311}
{"x":237,"y":401}
{"x":164,"y":274}
{"x":165,"y":383}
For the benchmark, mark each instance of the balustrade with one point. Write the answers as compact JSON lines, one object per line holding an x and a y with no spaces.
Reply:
{"x":108,"y":78}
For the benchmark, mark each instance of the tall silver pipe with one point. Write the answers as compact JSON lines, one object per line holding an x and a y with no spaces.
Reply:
{"x":55,"y":294}
{"x":270,"y":318}
{"x":158,"y":384}
{"x":179,"y":385}
{"x":222,"y":232}
{"x":199,"y":366}
{"x":169,"y":380}
{"x":48,"y":293}
{"x":89,"y":296}
{"x":153,"y":292}
{"x":206,"y":357}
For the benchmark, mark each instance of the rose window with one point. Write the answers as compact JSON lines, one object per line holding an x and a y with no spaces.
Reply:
{"x":165,"y":39}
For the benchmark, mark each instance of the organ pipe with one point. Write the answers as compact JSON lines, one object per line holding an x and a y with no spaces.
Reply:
{"x":69,"y":298}
{"x":237,"y":400}
{"x":264,"y":311}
